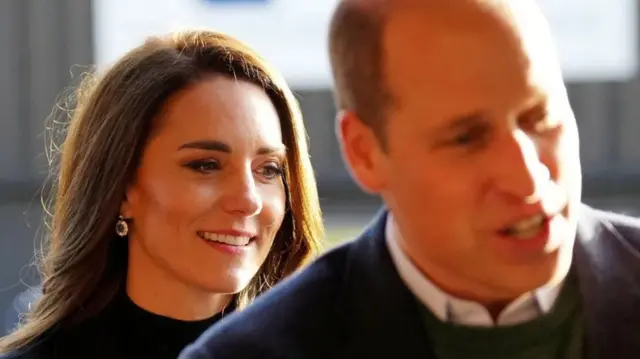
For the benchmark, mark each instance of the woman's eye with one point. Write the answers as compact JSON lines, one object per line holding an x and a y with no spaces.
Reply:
{"x":204,"y":166}
{"x":272,"y":171}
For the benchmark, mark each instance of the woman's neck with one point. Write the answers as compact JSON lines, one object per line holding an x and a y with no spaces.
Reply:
{"x":158,"y":291}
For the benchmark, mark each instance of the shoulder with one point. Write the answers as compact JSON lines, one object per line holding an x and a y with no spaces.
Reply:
{"x":39,"y":349}
{"x":619,"y":225}
{"x":25,"y":354}
{"x":78,"y":341}
{"x":605,"y":236}
{"x":295,"y":316}
{"x":623,"y":222}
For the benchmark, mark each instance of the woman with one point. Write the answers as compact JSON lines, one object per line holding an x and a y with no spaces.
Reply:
{"x":185,"y":190}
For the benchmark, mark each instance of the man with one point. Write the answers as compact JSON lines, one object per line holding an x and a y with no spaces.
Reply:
{"x":455,"y":113}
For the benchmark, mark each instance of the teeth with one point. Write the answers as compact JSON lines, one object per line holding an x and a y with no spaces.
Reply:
{"x":226,"y":239}
{"x":526,"y":228}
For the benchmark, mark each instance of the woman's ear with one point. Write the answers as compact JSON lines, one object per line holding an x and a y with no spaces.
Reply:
{"x":126,"y":207}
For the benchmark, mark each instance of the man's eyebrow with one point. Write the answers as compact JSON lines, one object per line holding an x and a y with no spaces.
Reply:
{"x":460,"y":122}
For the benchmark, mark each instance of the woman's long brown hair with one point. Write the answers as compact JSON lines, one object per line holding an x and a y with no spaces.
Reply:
{"x":84,"y":264}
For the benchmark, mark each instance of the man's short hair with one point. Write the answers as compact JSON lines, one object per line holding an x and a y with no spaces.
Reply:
{"x":356,"y":54}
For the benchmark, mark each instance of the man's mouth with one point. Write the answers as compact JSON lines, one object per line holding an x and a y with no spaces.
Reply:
{"x":526,"y":228}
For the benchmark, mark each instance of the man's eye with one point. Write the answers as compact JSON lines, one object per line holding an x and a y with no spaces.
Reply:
{"x":471,"y":137}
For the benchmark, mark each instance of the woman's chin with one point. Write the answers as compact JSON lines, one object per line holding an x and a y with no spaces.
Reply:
{"x":231,"y":284}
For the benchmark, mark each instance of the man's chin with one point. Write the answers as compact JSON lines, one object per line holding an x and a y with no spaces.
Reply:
{"x":550,"y":273}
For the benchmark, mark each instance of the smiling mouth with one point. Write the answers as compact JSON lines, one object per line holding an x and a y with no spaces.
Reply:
{"x":236,"y":241}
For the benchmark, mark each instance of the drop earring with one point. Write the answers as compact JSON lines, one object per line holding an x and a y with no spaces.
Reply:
{"x":122,"y":228}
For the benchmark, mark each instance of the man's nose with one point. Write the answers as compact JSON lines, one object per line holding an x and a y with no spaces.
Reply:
{"x":520,"y":172}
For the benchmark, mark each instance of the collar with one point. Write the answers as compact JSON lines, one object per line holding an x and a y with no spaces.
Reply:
{"x":459,"y":311}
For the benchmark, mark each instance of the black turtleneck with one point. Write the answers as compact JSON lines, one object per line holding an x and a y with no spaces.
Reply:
{"x":124,"y":331}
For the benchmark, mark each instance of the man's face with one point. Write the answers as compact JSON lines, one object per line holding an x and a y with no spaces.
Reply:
{"x":481,"y":169}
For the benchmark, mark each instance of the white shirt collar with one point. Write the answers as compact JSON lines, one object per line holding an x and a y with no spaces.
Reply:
{"x":450,"y":309}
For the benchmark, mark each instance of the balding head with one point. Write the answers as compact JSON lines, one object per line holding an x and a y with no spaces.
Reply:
{"x":359,"y":50}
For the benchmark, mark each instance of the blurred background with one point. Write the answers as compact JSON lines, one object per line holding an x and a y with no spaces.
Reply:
{"x":46,"y":45}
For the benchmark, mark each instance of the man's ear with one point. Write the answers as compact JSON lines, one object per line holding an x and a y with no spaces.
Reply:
{"x":361,"y":152}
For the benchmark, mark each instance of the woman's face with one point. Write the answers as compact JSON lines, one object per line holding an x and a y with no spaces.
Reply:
{"x":208,"y":197}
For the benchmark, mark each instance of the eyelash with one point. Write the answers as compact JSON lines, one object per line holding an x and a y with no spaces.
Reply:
{"x":473,"y":137}
{"x":276,"y":170}
{"x":203,"y":166}
{"x":206,"y":166}
{"x":477,"y":137}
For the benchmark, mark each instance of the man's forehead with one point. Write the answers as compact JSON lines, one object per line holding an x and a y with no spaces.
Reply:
{"x":445,"y":58}
{"x":430,"y":35}
{"x":509,"y":15}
